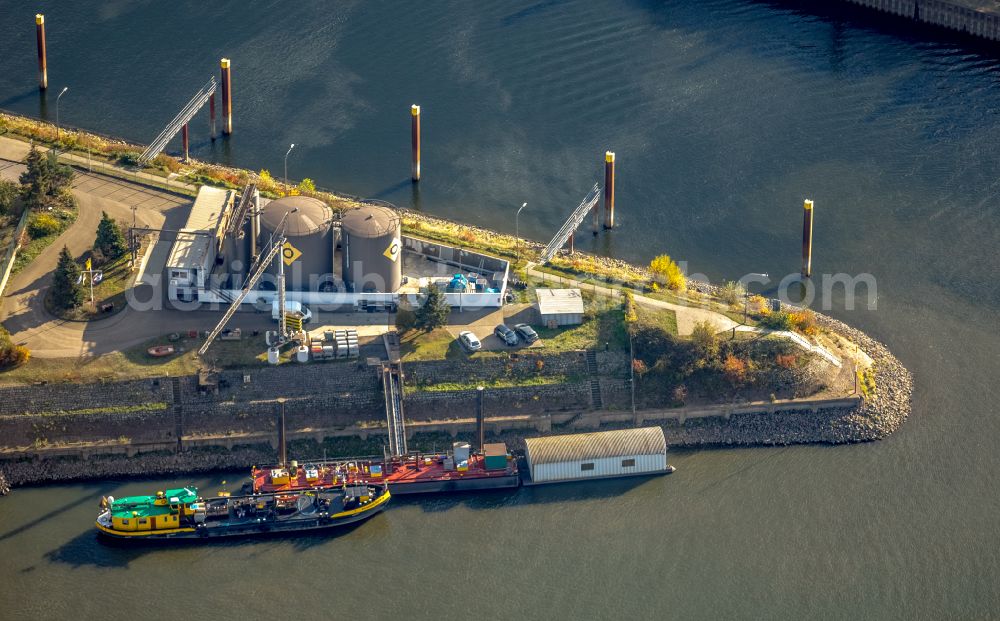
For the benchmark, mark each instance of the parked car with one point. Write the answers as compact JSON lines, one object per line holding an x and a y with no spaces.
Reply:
{"x":526,"y":332}
{"x":506,"y":335}
{"x":469,"y":341}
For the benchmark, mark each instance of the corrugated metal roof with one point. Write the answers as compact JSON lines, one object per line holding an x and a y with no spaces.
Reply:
{"x":596,"y":445}
{"x":209,"y":208}
{"x":559,"y":301}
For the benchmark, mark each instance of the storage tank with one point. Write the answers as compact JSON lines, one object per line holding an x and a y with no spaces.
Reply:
{"x":372,"y":249}
{"x":308,"y":228}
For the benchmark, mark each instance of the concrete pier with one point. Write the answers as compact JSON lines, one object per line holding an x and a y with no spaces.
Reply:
{"x":979,"y":18}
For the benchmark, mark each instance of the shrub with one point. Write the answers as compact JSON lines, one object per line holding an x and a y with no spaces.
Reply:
{"x":666,"y":271}
{"x":307,"y":185}
{"x":735,"y":369}
{"x":804,"y":321}
{"x":43,"y":225}
{"x":628,"y":304}
{"x":732,"y":292}
{"x":679,"y":395}
{"x":11,"y":355}
{"x":127,"y":158}
{"x":777,"y":321}
{"x":705,"y":338}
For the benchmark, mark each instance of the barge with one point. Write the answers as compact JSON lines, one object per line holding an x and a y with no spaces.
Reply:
{"x":181,"y":514}
{"x":457,"y":470}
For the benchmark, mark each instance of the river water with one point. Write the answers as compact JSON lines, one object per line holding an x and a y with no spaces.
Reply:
{"x":724,"y":114}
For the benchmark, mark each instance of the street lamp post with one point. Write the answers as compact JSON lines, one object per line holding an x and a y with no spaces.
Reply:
{"x":58,"y":97}
{"x":517,"y":232}
{"x":746,"y":295}
{"x":292,"y":146}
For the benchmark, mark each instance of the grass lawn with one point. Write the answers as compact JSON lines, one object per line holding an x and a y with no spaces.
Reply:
{"x":601,"y":327}
{"x":664,"y":318}
{"x":438,"y":344}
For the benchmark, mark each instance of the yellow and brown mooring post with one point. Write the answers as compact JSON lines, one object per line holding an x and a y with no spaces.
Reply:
{"x":415,"y":140}
{"x":807,"y":238}
{"x":570,"y":243}
{"x":43,"y":69}
{"x":609,"y":190}
{"x":185,"y":140}
{"x":227,"y":97}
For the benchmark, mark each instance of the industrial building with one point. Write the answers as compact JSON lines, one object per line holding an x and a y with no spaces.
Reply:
{"x":199,"y":242}
{"x":560,"y":307}
{"x":599,"y":454}
{"x":355,"y":260}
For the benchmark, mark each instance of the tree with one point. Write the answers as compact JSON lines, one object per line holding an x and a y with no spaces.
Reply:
{"x":8,"y":193}
{"x":307,"y":185}
{"x":67,"y":292}
{"x":434,"y":313}
{"x":45,"y":178}
{"x":666,"y":271}
{"x":110,"y":240}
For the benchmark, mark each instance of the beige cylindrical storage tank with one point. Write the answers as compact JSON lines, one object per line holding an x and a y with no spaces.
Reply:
{"x":308,"y":229}
{"x":372,"y":249}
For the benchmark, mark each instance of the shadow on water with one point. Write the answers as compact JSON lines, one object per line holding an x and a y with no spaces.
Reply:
{"x":51,"y":514}
{"x":88,"y":549}
{"x":393,"y":189}
{"x":539,"y":494}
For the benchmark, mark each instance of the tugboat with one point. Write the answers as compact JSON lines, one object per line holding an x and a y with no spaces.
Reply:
{"x":177,"y":514}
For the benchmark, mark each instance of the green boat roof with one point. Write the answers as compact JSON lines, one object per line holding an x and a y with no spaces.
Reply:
{"x":143,"y":506}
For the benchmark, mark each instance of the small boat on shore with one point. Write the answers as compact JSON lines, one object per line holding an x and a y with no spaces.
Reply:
{"x":179,"y":514}
{"x":159,"y":351}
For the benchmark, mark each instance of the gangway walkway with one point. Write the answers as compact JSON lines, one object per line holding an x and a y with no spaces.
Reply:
{"x":186,"y":114}
{"x":392,"y":383}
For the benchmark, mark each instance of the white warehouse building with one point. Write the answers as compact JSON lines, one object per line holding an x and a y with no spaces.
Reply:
{"x":599,"y":454}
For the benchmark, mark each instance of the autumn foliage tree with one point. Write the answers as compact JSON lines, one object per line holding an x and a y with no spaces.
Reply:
{"x":666,"y":271}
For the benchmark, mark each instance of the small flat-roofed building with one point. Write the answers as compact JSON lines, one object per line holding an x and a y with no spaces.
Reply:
{"x":599,"y":454}
{"x":560,"y":307}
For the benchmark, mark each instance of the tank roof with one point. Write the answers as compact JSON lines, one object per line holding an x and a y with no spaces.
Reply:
{"x":370,"y":221}
{"x":311,"y":215}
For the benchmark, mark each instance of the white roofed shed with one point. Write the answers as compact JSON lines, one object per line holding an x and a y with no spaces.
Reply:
{"x":560,"y":307}
{"x":599,"y":454}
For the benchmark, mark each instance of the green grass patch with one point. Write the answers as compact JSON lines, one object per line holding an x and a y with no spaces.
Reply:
{"x":601,"y":328}
{"x":500,"y":382}
{"x":662,"y":317}
{"x":152,"y":406}
{"x":439,"y":344}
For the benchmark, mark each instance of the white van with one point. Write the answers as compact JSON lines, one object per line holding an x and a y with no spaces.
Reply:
{"x":291,"y":308}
